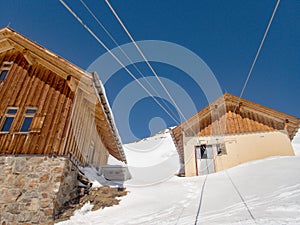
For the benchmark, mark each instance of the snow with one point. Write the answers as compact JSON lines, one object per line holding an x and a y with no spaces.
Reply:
{"x":152,"y":160}
{"x":93,"y":175}
{"x":267,"y":189}
{"x":84,"y":209}
{"x":296,"y":143}
{"x":113,"y":161}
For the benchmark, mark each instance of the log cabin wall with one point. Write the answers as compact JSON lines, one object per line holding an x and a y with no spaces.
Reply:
{"x":84,"y":142}
{"x":33,"y":87}
{"x":34,"y":95}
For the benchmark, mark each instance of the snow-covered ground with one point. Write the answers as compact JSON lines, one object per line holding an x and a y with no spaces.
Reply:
{"x":296,"y":143}
{"x":260,"y":192}
{"x":152,"y":160}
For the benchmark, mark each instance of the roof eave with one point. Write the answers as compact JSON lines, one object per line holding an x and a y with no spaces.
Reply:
{"x":109,"y":116}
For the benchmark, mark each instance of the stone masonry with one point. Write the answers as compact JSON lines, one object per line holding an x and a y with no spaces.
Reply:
{"x":34,"y":188}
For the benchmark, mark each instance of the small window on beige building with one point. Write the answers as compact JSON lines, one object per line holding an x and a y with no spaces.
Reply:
{"x":221,"y":149}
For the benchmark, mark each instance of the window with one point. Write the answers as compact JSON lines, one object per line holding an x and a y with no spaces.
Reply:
{"x":28,"y":117}
{"x":3,"y":74}
{"x":5,"y":67}
{"x":221,"y":149}
{"x":8,"y":119}
{"x":203,"y":151}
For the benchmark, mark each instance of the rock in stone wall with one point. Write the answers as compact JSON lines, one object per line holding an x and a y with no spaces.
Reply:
{"x":33,"y":188}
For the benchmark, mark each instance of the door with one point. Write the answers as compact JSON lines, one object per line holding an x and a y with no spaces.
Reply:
{"x":204,"y":159}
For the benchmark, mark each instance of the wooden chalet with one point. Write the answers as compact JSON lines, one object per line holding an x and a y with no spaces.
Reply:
{"x":48,"y":106}
{"x":230,"y":128}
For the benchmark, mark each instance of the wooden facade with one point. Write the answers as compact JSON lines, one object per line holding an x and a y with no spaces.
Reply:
{"x":48,"y":106}
{"x":222,"y":118}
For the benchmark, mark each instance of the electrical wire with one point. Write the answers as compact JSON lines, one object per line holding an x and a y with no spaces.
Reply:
{"x":106,"y":48}
{"x":256,"y":56}
{"x":114,"y":56}
{"x":121,"y":49}
{"x":144,"y":57}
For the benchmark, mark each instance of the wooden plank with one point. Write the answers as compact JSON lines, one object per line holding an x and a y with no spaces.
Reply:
{"x":19,"y":85}
{"x":3,"y":138}
{"x":37,"y":147}
{"x":32,"y":94}
{"x":84,"y":142}
{"x":248,"y":124}
{"x":229,"y":122}
{"x":62,"y":120}
{"x":6,"y":150}
{"x":45,"y":140}
{"x":241,"y":124}
{"x":37,"y":90}
{"x":19,"y":146}
{"x":60,"y":116}
{"x":73,"y":149}
{"x":6,"y":89}
{"x":19,"y":118}
{"x":39,"y":118}
{"x":2,"y":55}
{"x":237,"y":127}
{"x":253,"y":122}
{"x":65,"y":135}
{"x":25,"y":86}
{"x":14,"y":142}
{"x":223,"y":123}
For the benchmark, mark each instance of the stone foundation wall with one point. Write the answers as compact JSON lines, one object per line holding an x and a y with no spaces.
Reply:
{"x":33,"y":188}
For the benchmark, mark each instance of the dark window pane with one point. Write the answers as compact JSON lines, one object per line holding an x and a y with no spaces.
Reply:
{"x":3,"y":74}
{"x":7,"y":124}
{"x":26,"y":124}
{"x":203,"y":151}
{"x":12,"y":111}
{"x":30,"y":111}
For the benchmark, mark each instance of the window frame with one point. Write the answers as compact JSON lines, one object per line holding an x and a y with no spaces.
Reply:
{"x":28,"y":115}
{"x":206,"y":151}
{"x":1,"y":74}
{"x":5,"y":66}
{"x":8,"y":115}
{"x":221,"y":149}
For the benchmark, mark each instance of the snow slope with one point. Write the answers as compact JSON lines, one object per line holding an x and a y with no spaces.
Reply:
{"x":152,"y":160}
{"x":260,"y":192}
{"x":296,"y":143}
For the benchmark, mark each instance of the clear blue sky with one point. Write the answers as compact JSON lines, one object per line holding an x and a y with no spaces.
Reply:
{"x":225,"y":34}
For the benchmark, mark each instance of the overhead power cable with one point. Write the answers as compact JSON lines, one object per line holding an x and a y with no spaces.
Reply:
{"x":256,"y":56}
{"x":114,"y":56}
{"x":144,"y":57}
{"x":121,"y":49}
